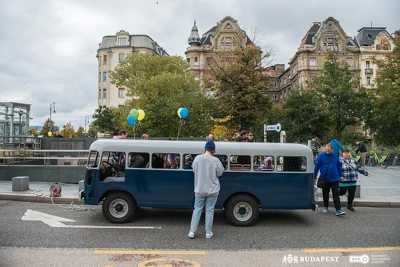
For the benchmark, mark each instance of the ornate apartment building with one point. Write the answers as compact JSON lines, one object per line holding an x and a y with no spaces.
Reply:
{"x":220,"y":39}
{"x":358,"y":52}
{"x":112,"y":50}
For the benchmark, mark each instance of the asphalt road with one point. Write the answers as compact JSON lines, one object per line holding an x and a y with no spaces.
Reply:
{"x":268,"y":243}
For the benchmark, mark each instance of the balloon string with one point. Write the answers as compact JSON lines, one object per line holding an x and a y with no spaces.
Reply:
{"x":179,"y":129}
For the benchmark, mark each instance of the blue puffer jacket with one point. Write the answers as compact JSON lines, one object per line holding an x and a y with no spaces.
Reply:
{"x":335,"y":169}
{"x":336,"y":146}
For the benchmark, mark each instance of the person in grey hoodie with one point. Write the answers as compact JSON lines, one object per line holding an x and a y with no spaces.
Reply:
{"x":207,"y":169}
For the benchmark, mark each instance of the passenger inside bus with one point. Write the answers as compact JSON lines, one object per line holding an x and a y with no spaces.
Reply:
{"x":267,"y":166}
{"x":138,"y":160}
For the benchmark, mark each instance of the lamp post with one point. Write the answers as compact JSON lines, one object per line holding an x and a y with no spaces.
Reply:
{"x":86,"y":121}
{"x":52,"y":106}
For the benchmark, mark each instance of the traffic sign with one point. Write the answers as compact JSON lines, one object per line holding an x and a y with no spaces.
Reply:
{"x":277,"y":127}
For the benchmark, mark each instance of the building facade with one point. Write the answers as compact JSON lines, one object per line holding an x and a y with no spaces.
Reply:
{"x":218,"y":41}
{"x":112,"y":50}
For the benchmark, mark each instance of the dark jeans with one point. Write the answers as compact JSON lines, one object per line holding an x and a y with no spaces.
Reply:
{"x":335,"y":194}
{"x":352,"y":193}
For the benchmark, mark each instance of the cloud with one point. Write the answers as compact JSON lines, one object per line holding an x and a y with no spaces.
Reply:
{"x":48,"y":47}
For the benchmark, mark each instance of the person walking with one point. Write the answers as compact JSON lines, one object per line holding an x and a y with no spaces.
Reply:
{"x":207,"y":169}
{"x":336,"y":146}
{"x":348,"y":183}
{"x":242,"y":137}
{"x":315,"y":145}
{"x":330,"y":168}
{"x":363,"y":149}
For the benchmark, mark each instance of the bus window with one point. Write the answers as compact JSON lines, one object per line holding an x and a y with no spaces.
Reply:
{"x":224,"y":160}
{"x":112,"y":164}
{"x":240,"y":163}
{"x":292,"y":164}
{"x":188,"y":160}
{"x":93,"y":159}
{"x":166,"y":160}
{"x":138,"y":160}
{"x":264,"y":163}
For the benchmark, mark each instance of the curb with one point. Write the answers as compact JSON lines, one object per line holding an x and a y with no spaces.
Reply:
{"x":365,"y":203}
{"x":40,"y":198}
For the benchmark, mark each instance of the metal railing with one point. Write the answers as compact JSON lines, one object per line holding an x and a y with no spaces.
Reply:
{"x":11,"y":157}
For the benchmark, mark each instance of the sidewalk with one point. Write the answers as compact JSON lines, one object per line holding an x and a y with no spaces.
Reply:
{"x":380,"y":190}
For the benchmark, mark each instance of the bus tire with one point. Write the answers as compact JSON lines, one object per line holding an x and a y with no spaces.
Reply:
{"x":242,"y":210}
{"x":119,"y":207}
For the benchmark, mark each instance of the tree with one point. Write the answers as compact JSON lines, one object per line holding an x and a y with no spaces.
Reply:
{"x":239,"y":87}
{"x":108,"y":120}
{"x":68,"y":131}
{"x":48,"y":126}
{"x":160,"y":86}
{"x":341,"y":95}
{"x":387,"y":109}
{"x":92,"y":131}
{"x":303,"y":116}
{"x":81,"y":132}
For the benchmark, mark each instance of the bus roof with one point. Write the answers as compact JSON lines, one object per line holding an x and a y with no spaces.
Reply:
{"x":171,"y":146}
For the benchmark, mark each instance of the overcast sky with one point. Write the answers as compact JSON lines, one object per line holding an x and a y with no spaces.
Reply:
{"x":48,"y":47}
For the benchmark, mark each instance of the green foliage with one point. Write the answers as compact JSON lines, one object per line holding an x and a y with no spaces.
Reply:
{"x":92,"y":131}
{"x":80,"y":133}
{"x":387,"y":108}
{"x":68,"y":131}
{"x":108,"y":120}
{"x":239,"y":87}
{"x":341,"y":96}
{"x":160,"y":86}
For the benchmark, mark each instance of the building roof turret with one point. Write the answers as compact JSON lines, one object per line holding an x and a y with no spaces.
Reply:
{"x":194,"y":38}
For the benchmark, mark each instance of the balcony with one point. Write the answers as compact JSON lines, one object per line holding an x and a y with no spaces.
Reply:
{"x":369,"y":71}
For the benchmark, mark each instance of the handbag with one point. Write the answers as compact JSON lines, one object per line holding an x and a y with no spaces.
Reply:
{"x":321,"y":180}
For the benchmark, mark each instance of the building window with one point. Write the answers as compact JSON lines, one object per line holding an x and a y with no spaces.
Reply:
{"x":121,"y":41}
{"x":228,"y":43}
{"x":104,"y":76}
{"x":120,"y":106}
{"x":121,"y":92}
{"x":196,"y":61}
{"x":209,"y":61}
{"x":312,"y":76}
{"x":275,"y":97}
{"x":331,"y":44}
{"x":105,"y":60}
{"x":313,"y":62}
{"x":121,"y":56}
{"x":99,"y":93}
{"x":368,"y":65}
{"x":104,"y":93}
{"x":188,"y":60}
{"x":368,"y":80}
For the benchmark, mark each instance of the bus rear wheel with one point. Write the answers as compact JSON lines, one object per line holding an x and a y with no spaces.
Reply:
{"x":242,"y":210}
{"x":119,"y":207}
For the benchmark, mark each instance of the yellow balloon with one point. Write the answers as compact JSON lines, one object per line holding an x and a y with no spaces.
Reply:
{"x":50,"y":134}
{"x":141,"y":115}
{"x":179,"y":113}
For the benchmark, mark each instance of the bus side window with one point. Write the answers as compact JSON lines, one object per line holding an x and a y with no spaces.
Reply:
{"x":138,"y":160}
{"x":188,"y":160}
{"x":93,"y":159}
{"x":156,"y":161}
{"x":224,"y":160}
{"x":240,"y":163}
{"x":292,"y":164}
{"x":265,"y":163}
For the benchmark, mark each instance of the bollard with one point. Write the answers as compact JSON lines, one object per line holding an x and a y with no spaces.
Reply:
{"x":20,"y":183}
{"x":394,"y":161}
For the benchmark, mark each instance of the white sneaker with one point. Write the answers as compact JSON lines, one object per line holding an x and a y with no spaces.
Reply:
{"x":191,"y":235}
{"x":209,"y":235}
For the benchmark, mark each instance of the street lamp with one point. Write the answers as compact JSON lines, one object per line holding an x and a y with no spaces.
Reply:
{"x":86,"y":121}
{"x":52,"y":106}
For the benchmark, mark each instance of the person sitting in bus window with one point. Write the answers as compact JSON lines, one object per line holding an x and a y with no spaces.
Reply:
{"x":157,"y":162}
{"x":137,"y":160}
{"x":267,"y":164}
{"x":187,"y":161}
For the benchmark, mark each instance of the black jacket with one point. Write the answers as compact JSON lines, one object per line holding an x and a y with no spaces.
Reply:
{"x":361,"y":147}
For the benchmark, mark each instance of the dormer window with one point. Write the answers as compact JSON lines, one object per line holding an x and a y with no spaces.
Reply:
{"x":122,"y":41}
{"x":228,"y":43}
{"x":331,"y":44}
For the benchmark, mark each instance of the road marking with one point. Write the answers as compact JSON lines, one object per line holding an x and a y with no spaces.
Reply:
{"x":168,"y":263}
{"x":158,"y":252}
{"x":55,"y":221}
{"x":320,"y":250}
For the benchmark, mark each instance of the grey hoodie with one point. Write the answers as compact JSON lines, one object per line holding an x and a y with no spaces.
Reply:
{"x":206,"y":170}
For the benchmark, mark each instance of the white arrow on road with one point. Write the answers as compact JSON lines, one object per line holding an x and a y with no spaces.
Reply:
{"x":55,"y":221}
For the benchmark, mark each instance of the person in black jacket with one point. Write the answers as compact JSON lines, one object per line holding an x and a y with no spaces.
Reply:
{"x":363,"y":149}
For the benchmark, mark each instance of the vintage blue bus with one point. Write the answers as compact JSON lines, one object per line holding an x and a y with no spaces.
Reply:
{"x":128,"y":174}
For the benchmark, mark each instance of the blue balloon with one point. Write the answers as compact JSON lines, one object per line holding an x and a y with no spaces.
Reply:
{"x":184,"y":112}
{"x":130,"y":120}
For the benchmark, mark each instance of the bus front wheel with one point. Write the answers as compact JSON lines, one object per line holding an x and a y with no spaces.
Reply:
{"x":242,"y":210}
{"x":119,"y":207}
